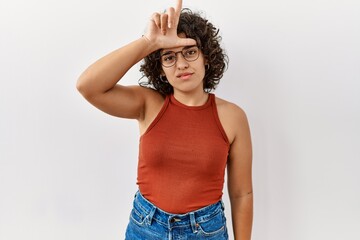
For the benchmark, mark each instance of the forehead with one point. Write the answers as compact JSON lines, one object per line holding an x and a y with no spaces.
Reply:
{"x":166,"y":50}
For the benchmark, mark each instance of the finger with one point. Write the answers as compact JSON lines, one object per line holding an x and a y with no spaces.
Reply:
{"x":177,"y":12}
{"x":164,"y":23}
{"x":178,"y":7}
{"x":156,"y":18}
{"x":186,"y":42}
{"x":171,"y":20}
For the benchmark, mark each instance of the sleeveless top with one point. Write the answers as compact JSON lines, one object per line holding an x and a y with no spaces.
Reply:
{"x":182,"y":157}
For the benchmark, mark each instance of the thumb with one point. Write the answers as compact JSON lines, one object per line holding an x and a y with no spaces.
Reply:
{"x":186,"y":42}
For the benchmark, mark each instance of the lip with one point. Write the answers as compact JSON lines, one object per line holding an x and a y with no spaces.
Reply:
{"x":185,"y":75}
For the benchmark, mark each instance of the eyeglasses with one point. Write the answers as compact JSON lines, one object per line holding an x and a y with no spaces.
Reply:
{"x":190,"y":54}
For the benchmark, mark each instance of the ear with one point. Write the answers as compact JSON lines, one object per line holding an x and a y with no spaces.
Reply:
{"x":206,"y":63}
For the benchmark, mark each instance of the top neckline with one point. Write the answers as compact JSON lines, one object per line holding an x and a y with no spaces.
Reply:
{"x":205,"y":105}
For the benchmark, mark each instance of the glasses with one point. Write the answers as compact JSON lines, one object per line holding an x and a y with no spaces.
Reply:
{"x":190,"y":54}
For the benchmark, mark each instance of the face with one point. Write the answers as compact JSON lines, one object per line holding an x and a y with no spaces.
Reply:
{"x":187,"y":71}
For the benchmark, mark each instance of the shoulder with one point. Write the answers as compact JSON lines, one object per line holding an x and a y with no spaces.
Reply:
{"x":149,"y":95}
{"x":232,"y":117}
{"x":153,"y":101}
{"x":229,"y":109}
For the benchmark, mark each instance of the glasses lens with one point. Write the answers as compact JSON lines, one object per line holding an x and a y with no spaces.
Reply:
{"x":168,"y":59}
{"x":191,"y":54}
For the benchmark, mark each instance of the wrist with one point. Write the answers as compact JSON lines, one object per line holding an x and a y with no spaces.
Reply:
{"x":150,"y":44}
{"x":146,"y":38}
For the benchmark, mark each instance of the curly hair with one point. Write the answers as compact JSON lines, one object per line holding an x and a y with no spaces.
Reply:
{"x":208,"y":40}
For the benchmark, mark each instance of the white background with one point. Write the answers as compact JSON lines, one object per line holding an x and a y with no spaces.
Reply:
{"x":68,"y":171}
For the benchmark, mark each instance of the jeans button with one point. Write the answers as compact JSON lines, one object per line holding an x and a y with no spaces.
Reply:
{"x":172,"y":220}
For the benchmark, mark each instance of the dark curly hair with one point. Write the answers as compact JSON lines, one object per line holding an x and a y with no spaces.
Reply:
{"x":208,"y":40}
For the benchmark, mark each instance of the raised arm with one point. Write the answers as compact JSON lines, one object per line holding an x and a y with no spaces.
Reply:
{"x":99,"y":82}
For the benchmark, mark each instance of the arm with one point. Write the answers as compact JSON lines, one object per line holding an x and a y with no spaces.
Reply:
{"x":99,"y":82}
{"x":240,"y":179}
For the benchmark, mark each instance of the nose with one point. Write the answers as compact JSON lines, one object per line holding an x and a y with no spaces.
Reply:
{"x":181,"y":63}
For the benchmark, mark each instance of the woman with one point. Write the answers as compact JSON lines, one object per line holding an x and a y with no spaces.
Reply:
{"x":188,"y":136}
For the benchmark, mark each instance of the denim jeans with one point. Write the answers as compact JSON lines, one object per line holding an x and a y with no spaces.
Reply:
{"x":147,"y":222}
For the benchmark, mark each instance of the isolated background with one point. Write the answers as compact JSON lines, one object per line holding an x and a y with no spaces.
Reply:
{"x":68,"y":171}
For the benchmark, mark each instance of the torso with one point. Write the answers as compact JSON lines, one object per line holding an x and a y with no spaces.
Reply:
{"x":183,"y":155}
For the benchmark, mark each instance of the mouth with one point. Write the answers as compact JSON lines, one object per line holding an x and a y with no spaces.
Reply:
{"x":184,"y":76}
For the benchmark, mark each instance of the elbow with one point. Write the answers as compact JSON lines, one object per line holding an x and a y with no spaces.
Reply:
{"x":241,"y":195}
{"x":237,"y":192}
{"x":82,"y":85}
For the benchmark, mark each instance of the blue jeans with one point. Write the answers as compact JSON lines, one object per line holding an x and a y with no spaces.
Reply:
{"x":147,"y":222}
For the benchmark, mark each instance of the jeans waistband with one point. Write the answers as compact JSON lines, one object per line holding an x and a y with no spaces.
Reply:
{"x":170,"y":220}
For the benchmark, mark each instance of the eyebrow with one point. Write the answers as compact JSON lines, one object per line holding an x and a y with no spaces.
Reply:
{"x":166,"y":52}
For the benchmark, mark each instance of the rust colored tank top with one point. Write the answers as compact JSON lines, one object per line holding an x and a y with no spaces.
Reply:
{"x":182,"y":157}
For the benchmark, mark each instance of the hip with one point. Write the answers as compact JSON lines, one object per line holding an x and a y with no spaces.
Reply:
{"x":149,"y":222}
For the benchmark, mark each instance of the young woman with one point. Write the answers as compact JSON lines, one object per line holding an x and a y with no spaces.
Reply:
{"x":188,"y":136}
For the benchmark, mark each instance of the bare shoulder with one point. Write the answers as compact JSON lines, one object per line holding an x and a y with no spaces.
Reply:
{"x":232,"y":117}
{"x":154,"y":101}
{"x":229,"y":109}
{"x":149,"y":96}
{"x":145,"y":91}
{"x":152,"y":97}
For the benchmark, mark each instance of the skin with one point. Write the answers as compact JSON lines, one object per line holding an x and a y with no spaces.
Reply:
{"x":99,"y":84}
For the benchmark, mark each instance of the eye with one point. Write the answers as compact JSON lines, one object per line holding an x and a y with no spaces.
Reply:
{"x":168,"y":58}
{"x":191,"y":52}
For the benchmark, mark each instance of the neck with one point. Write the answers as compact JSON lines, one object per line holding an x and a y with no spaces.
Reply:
{"x":191,"y":99}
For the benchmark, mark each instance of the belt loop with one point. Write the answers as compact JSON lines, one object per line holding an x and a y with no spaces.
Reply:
{"x":222,"y":205}
{"x":150,"y":216}
{"x":193,"y":222}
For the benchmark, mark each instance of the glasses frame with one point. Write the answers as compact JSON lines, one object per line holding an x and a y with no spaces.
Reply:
{"x":182,"y":53}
